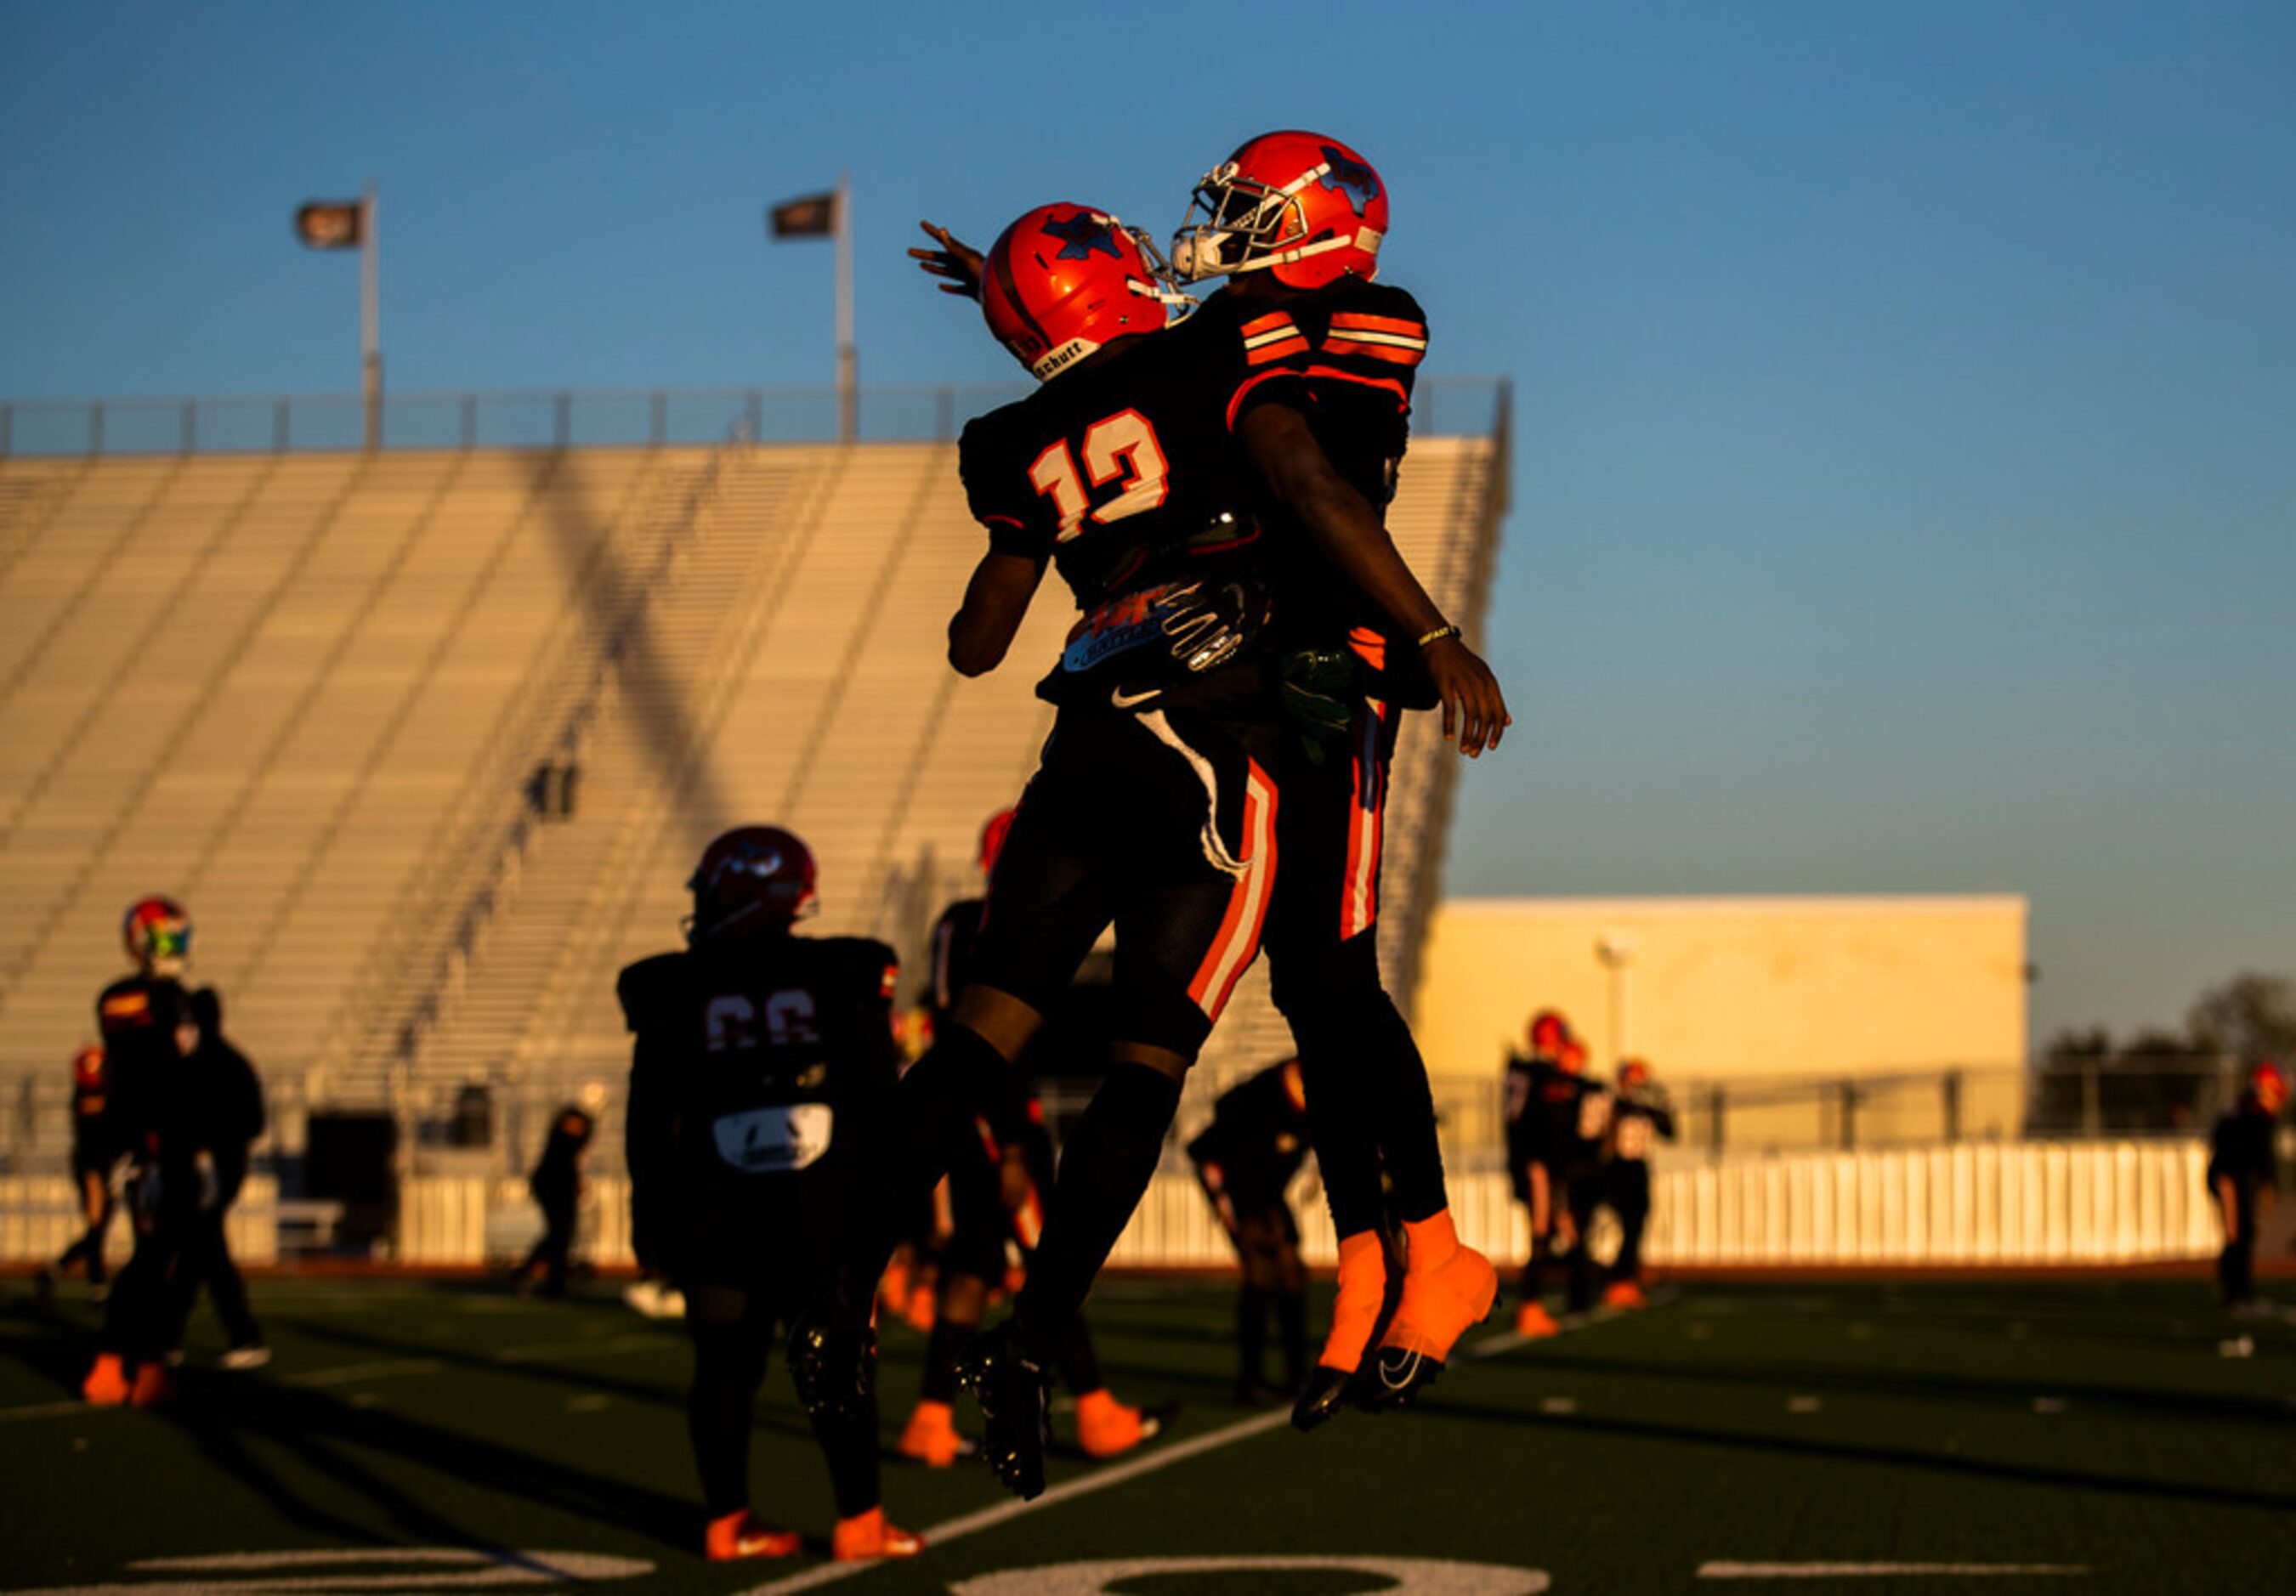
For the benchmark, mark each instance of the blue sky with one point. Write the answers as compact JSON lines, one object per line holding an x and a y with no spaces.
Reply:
{"x":1905,"y":476}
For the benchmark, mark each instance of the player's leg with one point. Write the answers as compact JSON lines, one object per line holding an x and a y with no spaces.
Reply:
{"x":729,"y":1365}
{"x":1288,"y":1291}
{"x":1584,"y":1191}
{"x":1630,"y":1201}
{"x":972,"y":1258}
{"x":1259,"y":1248}
{"x":1543,"y":1194}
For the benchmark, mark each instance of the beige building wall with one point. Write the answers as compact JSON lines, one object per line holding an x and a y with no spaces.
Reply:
{"x":1763,"y":995}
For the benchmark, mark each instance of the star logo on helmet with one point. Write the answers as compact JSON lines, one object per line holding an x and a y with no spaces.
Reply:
{"x":1348,"y":178}
{"x":1080,"y":235}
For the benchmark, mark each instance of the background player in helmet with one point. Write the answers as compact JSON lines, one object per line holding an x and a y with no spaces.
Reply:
{"x":1155,"y":804}
{"x":95,"y":1159}
{"x":1295,"y":221}
{"x":1559,"y":1139}
{"x":556,"y":1184}
{"x":231,"y":1114}
{"x":1244,"y":1160}
{"x":998,"y":1192}
{"x":1526,"y":1168}
{"x":760,"y":1063}
{"x":2242,"y":1175}
{"x":1640,"y":1111}
{"x":153,"y":1112}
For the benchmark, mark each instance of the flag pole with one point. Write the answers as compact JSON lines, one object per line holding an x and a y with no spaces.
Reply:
{"x":371,"y":319}
{"x":847,"y":398}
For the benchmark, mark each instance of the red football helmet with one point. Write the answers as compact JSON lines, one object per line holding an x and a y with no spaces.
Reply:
{"x":1572,"y":1056}
{"x":2270,"y":1084}
{"x":1305,"y":206}
{"x":1632,"y":1073}
{"x":1548,"y":1032}
{"x":158,"y":933}
{"x":992,"y":838}
{"x":1064,"y":279}
{"x":754,"y":879}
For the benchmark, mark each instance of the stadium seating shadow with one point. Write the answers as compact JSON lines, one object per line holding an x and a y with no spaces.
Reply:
{"x":2017,"y":1391}
{"x":318,"y":1428}
{"x":1901,"y":1457}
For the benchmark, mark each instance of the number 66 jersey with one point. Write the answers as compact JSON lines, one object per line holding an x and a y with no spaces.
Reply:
{"x":760,"y":1067}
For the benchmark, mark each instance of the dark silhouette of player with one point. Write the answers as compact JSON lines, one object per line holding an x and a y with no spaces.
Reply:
{"x":95,"y":1160}
{"x":2241,"y":1176}
{"x":758,"y":1081}
{"x":231,"y":1114}
{"x":1554,"y":1123}
{"x":1640,"y":1112}
{"x":1244,"y":1159}
{"x":556,"y":1185}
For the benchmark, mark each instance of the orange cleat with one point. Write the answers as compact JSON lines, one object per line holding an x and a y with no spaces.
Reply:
{"x":932,"y":1438}
{"x":155,"y":1386}
{"x":742,"y":1535}
{"x":1356,"y":1315}
{"x":106,"y":1384}
{"x":867,"y":1536}
{"x":1534,"y":1322}
{"x":1107,"y":1429}
{"x":1447,"y":1288}
{"x":1624,"y":1294}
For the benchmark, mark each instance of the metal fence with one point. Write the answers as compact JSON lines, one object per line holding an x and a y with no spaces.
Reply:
{"x":563,"y":418}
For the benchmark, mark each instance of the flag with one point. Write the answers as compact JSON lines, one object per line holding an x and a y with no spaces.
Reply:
{"x":332,"y":224}
{"x":813,"y":217}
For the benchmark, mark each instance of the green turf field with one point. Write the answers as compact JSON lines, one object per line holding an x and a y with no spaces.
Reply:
{"x":2078,"y":1425}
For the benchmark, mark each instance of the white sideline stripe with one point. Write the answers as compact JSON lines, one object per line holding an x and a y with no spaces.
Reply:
{"x":351,"y":1374}
{"x":1879,"y":1570}
{"x":1004,"y":1512}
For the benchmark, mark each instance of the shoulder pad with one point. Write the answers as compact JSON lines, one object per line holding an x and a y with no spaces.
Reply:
{"x":640,"y":985}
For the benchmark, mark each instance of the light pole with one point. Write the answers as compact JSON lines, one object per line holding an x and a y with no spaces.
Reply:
{"x":1614,"y":949}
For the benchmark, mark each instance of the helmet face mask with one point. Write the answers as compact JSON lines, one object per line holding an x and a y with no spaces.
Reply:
{"x":158,"y":933}
{"x":1304,"y":207}
{"x":752,"y":882}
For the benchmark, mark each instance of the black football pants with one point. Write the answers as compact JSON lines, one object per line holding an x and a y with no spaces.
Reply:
{"x":733,"y":1330}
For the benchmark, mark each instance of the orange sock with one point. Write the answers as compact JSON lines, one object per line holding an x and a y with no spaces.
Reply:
{"x":1363,"y":1292}
{"x":1430,"y":1242}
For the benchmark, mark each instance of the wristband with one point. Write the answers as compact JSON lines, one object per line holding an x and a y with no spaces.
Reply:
{"x":1439,"y":635}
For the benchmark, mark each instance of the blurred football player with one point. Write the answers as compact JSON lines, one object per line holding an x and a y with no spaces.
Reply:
{"x":1244,"y":1160}
{"x":2242,"y":1176}
{"x":152,"y":1112}
{"x":1294,"y":221}
{"x":231,"y":1120}
{"x":1554,"y":1120}
{"x":1135,"y":470}
{"x":556,"y":1185}
{"x":1639,"y":1111}
{"x":998,"y":1192}
{"x":761,"y":1062}
{"x":95,"y":1160}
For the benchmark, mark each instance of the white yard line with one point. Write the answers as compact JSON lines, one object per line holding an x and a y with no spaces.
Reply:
{"x":1719,"y":1570}
{"x":1163,"y":1457}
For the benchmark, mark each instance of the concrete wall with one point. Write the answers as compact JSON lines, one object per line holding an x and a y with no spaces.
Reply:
{"x":1733,"y":989}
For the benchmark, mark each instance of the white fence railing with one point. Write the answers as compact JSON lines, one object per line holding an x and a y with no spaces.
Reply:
{"x":2006,"y":1203}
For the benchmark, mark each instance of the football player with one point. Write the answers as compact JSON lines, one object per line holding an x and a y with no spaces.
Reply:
{"x":1244,"y":1160}
{"x":1135,"y":469}
{"x":1555,"y":1118}
{"x":230,"y":1106}
{"x":1294,"y":221}
{"x":153,"y":1113}
{"x":556,"y":1185}
{"x":996,"y":1192}
{"x":2241,"y":1177}
{"x":1639,"y":1111}
{"x":95,"y":1159}
{"x":761,"y":1063}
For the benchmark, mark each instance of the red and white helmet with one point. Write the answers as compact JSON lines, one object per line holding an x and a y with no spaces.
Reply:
{"x":1300,"y":205}
{"x":1064,"y":279}
{"x":2270,"y":1084}
{"x":158,"y":933}
{"x":752,"y":879}
{"x":1548,"y":1032}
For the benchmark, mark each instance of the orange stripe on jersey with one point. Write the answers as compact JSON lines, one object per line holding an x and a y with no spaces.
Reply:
{"x":1293,"y":344}
{"x":1381,"y":323}
{"x":1370,"y":647}
{"x":1268,"y":324}
{"x":1235,"y":400}
{"x":1359,"y":898}
{"x":1237,"y":942}
{"x":1342,"y":343}
{"x":1402,"y":394}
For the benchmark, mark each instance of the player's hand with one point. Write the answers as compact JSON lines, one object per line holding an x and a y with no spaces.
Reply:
{"x":1474,"y":709}
{"x":955,"y":260}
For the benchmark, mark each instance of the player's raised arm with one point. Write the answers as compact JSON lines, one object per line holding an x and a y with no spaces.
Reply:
{"x":956,"y":262}
{"x":1348,"y":532}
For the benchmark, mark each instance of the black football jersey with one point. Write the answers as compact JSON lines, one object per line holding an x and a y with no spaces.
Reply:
{"x":757,"y":1066}
{"x":1637,"y":1119}
{"x":1554,"y":1118}
{"x":1127,"y":477}
{"x":148,"y":1035}
{"x":1356,"y":346}
{"x":1257,"y":1136}
{"x":2240,"y":1148}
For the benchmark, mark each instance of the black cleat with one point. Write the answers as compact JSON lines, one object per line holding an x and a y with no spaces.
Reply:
{"x":1326,"y":1392}
{"x":1012,"y":1389}
{"x":1396,"y":1379}
{"x":835,"y":1369}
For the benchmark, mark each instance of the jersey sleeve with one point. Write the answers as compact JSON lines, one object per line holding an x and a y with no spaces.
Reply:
{"x":1254,"y":351}
{"x":998,"y":491}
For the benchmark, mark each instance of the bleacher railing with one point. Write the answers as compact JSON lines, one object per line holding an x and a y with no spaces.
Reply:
{"x":566,"y":418}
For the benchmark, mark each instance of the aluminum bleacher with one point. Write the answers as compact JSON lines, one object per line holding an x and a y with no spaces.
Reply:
{"x":310,"y":694}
